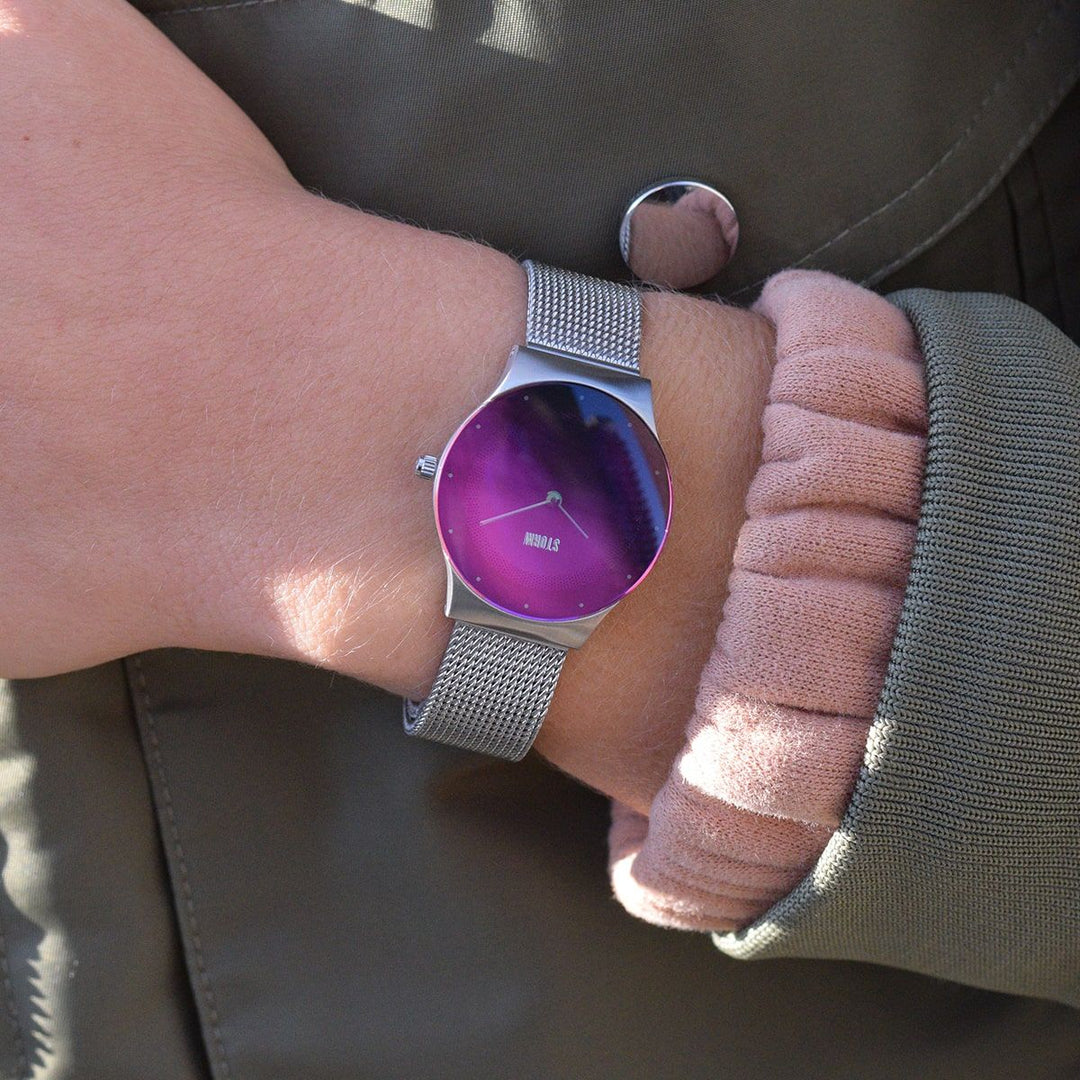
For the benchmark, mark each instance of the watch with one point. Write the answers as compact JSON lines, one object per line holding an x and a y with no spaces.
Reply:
{"x":552,"y":502}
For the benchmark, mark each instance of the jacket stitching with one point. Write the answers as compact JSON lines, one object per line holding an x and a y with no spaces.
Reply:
{"x":204,"y":983}
{"x":1010,"y":71}
{"x":215,"y":7}
{"x":1003,"y":168}
{"x":1052,"y":13}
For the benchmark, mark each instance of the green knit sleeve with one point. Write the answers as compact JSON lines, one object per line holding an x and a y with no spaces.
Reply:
{"x":959,"y":855}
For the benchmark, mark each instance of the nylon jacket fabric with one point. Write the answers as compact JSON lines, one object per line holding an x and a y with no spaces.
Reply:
{"x":531,"y":123}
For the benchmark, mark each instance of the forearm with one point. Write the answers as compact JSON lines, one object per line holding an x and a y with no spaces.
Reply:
{"x":214,"y":385}
{"x":380,"y":338}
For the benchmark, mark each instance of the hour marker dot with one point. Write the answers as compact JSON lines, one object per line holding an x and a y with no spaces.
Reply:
{"x":629,"y":576}
{"x":477,"y":579}
{"x":525,"y":398}
{"x":581,"y":605}
{"x":449,"y":530}
{"x":526,"y":607}
{"x":477,"y":427}
{"x":450,"y":476}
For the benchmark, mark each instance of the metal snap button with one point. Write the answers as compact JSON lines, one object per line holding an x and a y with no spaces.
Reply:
{"x":679,"y":234}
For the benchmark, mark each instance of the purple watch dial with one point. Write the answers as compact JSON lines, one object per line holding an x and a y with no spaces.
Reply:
{"x":553,"y":501}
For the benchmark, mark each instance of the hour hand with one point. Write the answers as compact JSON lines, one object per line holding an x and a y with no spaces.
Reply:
{"x":572,"y":521}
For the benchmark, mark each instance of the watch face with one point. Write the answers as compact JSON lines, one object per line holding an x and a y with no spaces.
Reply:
{"x":553,"y":501}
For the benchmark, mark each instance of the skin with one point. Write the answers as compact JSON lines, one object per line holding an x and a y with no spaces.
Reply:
{"x":213,"y":385}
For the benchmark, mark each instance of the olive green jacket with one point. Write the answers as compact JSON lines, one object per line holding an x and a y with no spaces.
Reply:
{"x":226,"y":866}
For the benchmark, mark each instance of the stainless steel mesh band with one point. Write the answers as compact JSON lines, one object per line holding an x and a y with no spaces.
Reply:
{"x":583,"y":316}
{"x":491,"y":694}
{"x":493,"y":688}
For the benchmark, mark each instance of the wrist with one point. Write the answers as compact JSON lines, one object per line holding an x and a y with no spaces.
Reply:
{"x":318,"y":540}
{"x":392,"y":336}
{"x":618,"y":717}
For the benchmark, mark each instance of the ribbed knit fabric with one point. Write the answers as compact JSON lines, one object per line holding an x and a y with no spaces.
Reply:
{"x":785,"y":702}
{"x":959,"y":854}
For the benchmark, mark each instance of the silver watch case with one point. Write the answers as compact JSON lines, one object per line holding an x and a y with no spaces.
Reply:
{"x":529,"y":365}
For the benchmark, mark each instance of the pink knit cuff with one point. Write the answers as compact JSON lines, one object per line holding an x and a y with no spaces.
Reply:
{"x":785,"y":702}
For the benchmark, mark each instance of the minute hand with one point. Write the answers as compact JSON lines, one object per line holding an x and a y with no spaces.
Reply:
{"x":511,"y":513}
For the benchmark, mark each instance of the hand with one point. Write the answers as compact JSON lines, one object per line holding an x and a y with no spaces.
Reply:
{"x":201,"y":363}
{"x":136,"y":201}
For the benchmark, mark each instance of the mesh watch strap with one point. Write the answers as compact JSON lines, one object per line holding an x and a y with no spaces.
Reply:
{"x":493,"y":688}
{"x":491,"y":693}
{"x":583,"y":316}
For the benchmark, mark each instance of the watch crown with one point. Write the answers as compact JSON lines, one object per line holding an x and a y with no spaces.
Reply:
{"x":426,"y":466}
